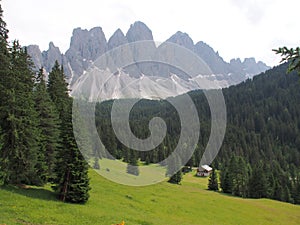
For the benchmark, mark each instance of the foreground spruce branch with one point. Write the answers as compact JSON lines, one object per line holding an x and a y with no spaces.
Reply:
{"x":290,"y":55}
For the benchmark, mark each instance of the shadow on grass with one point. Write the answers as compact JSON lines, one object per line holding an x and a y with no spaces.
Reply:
{"x":231,"y":195}
{"x":31,"y":192}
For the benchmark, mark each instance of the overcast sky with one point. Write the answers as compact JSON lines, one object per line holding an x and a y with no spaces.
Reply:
{"x":234,"y":28}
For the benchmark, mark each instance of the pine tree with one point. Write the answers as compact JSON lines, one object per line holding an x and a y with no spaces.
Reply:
{"x":286,"y":194}
{"x":213,"y":181}
{"x":296,"y":190}
{"x":241,"y":178}
{"x":58,"y":89}
{"x":72,"y":169}
{"x":228,"y":176}
{"x":96,"y":164}
{"x":258,"y":183}
{"x":132,"y":167}
{"x":279,"y":192}
{"x":72,"y":182}
{"x":176,"y":178}
{"x":172,"y":166}
{"x":4,"y":71}
{"x":271,"y":185}
{"x":49,"y":128}
{"x":226,"y":181}
{"x":4,"y":54}
{"x":81,"y":127}
{"x":19,"y":120}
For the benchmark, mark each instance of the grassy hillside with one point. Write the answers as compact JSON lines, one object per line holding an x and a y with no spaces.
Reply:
{"x":162,"y":203}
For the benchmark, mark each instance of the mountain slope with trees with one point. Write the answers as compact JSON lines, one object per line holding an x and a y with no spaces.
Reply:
{"x":260,"y":153}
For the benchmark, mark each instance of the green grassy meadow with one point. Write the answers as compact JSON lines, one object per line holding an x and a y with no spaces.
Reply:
{"x":159,"y":204}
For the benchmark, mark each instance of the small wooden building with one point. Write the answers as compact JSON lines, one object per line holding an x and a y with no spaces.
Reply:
{"x":204,"y":171}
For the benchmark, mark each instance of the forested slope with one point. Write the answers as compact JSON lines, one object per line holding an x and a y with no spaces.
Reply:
{"x":262,"y":137}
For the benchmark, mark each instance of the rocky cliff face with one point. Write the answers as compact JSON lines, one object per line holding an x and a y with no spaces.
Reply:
{"x":36,"y":55}
{"x":51,"y":55}
{"x":139,"y":32}
{"x":182,"y":39}
{"x":88,"y":45}
{"x":85,"y":47}
{"x":117,"y":39}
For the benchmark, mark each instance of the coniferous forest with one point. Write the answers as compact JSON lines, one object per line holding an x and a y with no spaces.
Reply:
{"x":37,"y":140}
{"x":259,"y":158}
{"x":260,"y":155}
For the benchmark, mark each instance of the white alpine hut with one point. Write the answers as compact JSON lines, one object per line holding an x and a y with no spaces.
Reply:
{"x":204,"y":171}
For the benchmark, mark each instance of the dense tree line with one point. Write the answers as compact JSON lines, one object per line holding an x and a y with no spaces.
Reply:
{"x":260,"y":155}
{"x":37,"y":143}
{"x":260,"y":180}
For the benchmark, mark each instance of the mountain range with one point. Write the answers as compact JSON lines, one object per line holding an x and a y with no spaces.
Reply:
{"x":87,"y":46}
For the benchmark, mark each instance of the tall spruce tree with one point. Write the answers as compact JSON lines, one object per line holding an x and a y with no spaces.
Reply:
{"x":213,"y":181}
{"x":228,"y":176}
{"x":4,"y":70}
{"x":258,"y":183}
{"x":226,"y":181}
{"x":176,"y":178}
{"x":173,"y":164}
{"x":19,"y":120}
{"x":132,"y":166}
{"x":241,"y":178}
{"x":58,"y":89}
{"x":296,"y":190}
{"x":4,"y":55}
{"x":71,"y":182}
{"x":49,"y":129}
{"x":72,"y":169}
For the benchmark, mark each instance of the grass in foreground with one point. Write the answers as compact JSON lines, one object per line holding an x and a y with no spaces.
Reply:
{"x":160,"y":204}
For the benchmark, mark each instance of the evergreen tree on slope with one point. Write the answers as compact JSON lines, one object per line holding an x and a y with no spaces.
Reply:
{"x":213,"y":181}
{"x":49,"y":128}
{"x":72,"y":182}
{"x":18,"y":120}
{"x":4,"y":69}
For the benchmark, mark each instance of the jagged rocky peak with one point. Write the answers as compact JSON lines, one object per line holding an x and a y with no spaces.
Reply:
{"x":262,"y":66}
{"x":182,"y":39}
{"x":117,"y":39}
{"x":206,"y":52}
{"x":35,"y":49}
{"x":52,"y":51}
{"x":85,"y":47}
{"x":236,"y":62}
{"x":249,"y":61}
{"x":252,"y":67}
{"x":202,"y":46}
{"x":212,"y":58}
{"x":36,"y":55}
{"x":51,"y":55}
{"x":89,"y":44}
{"x":139,"y":32}
{"x":249,"y":66}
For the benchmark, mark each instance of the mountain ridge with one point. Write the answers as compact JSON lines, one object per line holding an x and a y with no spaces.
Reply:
{"x":86,"y":46}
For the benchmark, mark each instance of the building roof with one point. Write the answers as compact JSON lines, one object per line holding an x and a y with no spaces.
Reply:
{"x":206,"y":167}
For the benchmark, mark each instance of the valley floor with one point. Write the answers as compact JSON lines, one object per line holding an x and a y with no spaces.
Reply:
{"x":160,"y":204}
